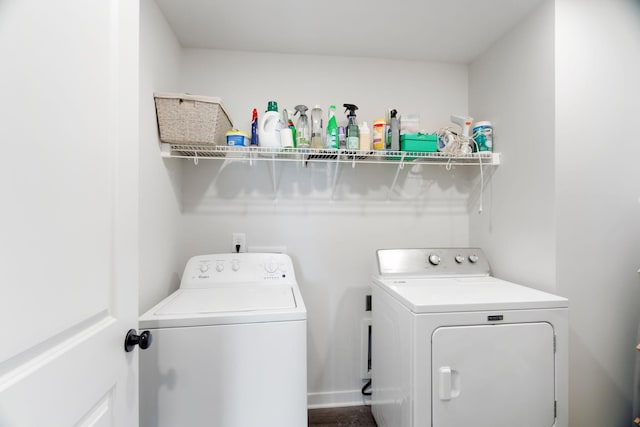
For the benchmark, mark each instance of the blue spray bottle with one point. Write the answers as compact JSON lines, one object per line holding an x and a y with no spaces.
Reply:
{"x":254,"y":128}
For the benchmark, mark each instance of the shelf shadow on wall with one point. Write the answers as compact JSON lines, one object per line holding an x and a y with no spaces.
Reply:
{"x":237,"y":185}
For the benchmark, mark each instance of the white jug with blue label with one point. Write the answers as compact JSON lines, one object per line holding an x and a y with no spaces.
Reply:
{"x":269,"y":127}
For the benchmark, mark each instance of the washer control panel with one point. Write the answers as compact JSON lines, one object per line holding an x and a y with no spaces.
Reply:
{"x":433,"y":262}
{"x":228,"y":268}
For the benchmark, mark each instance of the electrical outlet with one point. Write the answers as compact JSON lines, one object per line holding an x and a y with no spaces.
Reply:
{"x":239,"y":242}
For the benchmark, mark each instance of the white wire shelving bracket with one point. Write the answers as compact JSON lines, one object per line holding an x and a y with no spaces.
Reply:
{"x":310,"y":155}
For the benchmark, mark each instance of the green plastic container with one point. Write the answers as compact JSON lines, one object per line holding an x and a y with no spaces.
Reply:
{"x":422,"y":142}
{"x":417,"y":142}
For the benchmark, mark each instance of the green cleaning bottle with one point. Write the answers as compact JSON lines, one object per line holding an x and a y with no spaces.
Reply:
{"x":289,"y":123}
{"x":332,"y":130}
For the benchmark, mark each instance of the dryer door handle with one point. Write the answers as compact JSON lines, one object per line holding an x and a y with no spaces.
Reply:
{"x":448,"y":382}
{"x":444,"y":381}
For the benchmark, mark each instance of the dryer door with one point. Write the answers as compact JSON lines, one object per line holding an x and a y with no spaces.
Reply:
{"x":494,"y":376}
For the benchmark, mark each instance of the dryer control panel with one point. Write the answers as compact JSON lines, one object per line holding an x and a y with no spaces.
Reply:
{"x":433,"y":262}
{"x":206,"y":271}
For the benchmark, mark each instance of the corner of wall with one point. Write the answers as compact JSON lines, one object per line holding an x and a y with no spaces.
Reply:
{"x":513,"y":86}
{"x":160,"y":179}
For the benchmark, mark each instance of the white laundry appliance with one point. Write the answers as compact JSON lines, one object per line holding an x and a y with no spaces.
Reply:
{"x":453,"y":346}
{"x":229,"y":346}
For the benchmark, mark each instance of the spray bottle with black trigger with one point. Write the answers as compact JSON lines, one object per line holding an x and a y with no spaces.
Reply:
{"x":353,"y":132}
{"x":394,"y":131}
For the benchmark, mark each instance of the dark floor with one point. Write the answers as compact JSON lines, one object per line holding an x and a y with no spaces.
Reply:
{"x":350,"y":416}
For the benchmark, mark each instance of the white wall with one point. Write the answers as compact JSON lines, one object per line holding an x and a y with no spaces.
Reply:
{"x":570,"y":223}
{"x":247,"y":80}
{"x":159,"y":209}
{"x":332,"y":241}
{"x":597,"y":189}
{"x":512,"y":84}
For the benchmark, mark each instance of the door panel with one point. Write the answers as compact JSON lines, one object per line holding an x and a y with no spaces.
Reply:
{"x":56,"y":158}
{"x":494,"y":375}
{"x":100,"y":415}
{"x":68,"y":179}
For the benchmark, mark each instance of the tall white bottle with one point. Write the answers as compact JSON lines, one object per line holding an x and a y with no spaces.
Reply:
{"x":269,"y":127}
{"x":365,"y":137}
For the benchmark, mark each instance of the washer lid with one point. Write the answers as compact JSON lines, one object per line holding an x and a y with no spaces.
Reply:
{"x":455,"y":294}
{"x":229,"y":299}
{"x":226,"y":305}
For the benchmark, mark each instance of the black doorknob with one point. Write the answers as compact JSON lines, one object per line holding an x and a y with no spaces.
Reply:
{"x":132,"y":340}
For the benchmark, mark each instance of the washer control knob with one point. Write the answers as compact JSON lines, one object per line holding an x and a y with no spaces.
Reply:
{"x":434,"y":259}
{"x":271,"y":267}
{"x":204,"y":268}
{"x":473,"y":258}
{"x":459,"y":259}
{"x":219,"y":267}
{"x":235,"y":266}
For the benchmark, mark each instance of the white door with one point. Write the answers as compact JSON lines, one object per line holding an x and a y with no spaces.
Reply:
{"x":68,"y":212}
{"x":494,"y":376}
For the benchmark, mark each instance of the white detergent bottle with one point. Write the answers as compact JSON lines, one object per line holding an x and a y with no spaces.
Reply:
{"x":365,"y":137}
{"x":269,"y":127}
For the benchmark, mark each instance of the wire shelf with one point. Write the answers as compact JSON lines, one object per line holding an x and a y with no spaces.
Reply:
{"x":307,"y":155}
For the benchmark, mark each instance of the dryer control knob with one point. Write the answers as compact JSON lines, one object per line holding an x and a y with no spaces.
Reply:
{"x":473,"y":258}
{"x":459,"y":259}
{"x":219,"y":268}
{"x":434,"y":259}
{"x":204,"y":268}
{"x":235,"y":266}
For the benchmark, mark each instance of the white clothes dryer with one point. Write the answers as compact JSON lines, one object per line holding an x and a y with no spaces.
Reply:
{"x":454,"y":346}
{"x":229,"y":346}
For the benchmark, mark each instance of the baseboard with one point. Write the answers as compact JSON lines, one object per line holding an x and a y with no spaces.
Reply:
{"x":335,"y":399}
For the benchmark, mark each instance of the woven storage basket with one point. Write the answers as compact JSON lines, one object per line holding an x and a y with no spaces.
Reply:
{"x":188,"y":119}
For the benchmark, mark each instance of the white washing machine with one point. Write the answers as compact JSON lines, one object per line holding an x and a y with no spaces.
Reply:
{"x":229,"y":346}
{"x":453,"y":346}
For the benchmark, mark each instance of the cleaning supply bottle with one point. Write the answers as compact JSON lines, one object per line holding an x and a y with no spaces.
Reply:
{"x":303,"y":132}
{"x":333,"y":141}
{"x":394,"y":129}
{"x":482,"y":136}
{"x":286,"y":133}
{"x":342,"y":137}
{"x":365,"y":137}
{"x":293,"y":131}
{"x":269,"y":126}
{"x":254,"y":128}
{"x":353,"y":133}
{"x":316,"y":127}
{"x":379,"y":134}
